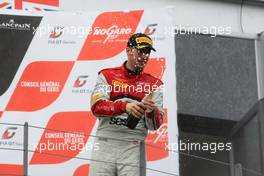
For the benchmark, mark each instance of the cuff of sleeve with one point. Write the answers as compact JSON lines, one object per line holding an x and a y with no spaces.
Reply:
{"x":123,"y":106}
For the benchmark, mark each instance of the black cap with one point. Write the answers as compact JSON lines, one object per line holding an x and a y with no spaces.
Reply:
{"x":139,"y":41}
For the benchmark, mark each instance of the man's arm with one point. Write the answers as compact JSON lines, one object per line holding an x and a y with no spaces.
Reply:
{"x":100,"y":100}
{"x":154,"y":119}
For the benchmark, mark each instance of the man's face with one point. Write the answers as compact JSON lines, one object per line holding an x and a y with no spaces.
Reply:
{"x":138,"y":57}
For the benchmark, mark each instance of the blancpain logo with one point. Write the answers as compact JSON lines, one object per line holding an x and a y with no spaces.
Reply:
{"x":112,"y":32}
{"x":13,"y":25}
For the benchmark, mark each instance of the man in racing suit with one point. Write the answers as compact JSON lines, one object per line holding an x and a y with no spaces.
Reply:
{"x":121,"y":93}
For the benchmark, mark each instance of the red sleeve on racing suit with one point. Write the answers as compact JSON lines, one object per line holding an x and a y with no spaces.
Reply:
{"x":108,"y":108}
{"x":101,"y":105}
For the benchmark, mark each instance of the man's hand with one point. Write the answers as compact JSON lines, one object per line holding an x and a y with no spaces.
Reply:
{"x":136,"y":109}
{"x":149,"y":105}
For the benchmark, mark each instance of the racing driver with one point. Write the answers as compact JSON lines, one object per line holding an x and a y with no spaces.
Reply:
{"x":128,"y":102}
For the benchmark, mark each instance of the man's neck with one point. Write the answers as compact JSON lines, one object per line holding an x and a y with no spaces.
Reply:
{"x":130,"y":69}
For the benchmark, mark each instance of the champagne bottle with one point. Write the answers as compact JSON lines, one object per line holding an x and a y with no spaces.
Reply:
{"x":133,"y":121}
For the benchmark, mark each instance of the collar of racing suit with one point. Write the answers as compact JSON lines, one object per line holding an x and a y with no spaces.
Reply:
{"x":130,"y":73}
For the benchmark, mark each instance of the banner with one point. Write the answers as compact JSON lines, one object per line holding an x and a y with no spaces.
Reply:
{"x":30,"y":5}
{"x":50,"y":62}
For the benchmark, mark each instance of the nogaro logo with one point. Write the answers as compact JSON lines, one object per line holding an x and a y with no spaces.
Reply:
{"x":150,"y":29}
{"x":11,"y":24}
{"x":56,"y":32}
{"x":109,"y":34}
{"x":9,"y":133}
{"x":112,"y":32}
{"x":80,"y":81}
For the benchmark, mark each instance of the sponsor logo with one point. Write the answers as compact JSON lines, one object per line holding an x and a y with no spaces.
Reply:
{"x":11,"y":24}
{"x":40,"y":85}
{"x":158,"y":138}
{"x":143,"y":40}
{"x":6,"y":139}
{"x":96,"y":97}
{"x":67,"y":137}
{"x":150,"y":29}
{"x":9,"y":133}
{"x":55,"y":34}
{"x":43,"y":86}
{"x":160,"y":135}
{"x":74,"y":129}
{"x":79,"y":85}
{"x":111,"y":33}
{"x":120,"y":84}
{"x":117,"y":121}
{"x":80,"y":81}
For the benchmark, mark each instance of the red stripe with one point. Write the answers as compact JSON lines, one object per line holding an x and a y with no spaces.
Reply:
{"x":18,"y":4}
{"x":37,"y":9}
{"x":45,"y":2}
{"x":3,"y":4}
{"x":11,"y":169}
{"x":1,"y":113}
